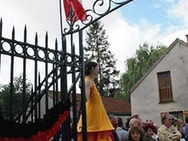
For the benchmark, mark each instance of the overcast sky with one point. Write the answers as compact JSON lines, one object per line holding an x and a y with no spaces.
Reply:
{"x":151,"y":21}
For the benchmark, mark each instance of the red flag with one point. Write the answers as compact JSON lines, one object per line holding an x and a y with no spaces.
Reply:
{"x":76,"y":8}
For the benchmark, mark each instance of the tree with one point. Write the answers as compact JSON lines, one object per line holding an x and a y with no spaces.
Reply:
{"x":137,"y":66}
{"x":98,"y":49}
{"x":17,"y":96}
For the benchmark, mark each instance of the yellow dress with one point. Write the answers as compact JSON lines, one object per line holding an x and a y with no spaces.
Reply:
{"x":97,"y":118}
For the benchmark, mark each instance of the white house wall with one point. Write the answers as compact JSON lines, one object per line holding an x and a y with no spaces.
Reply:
{"x":145,"y":97}
{"x":43,"y":104}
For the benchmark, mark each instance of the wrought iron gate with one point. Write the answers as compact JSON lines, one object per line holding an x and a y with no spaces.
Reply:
{"x":54,"y":70}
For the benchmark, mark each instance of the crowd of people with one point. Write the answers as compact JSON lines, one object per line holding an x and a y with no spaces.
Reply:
{"x":171,"y":129}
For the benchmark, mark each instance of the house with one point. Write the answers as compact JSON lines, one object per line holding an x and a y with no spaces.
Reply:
{"x":164,"y":88}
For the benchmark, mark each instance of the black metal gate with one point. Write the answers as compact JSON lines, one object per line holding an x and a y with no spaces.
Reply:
{"x":54,"y":70}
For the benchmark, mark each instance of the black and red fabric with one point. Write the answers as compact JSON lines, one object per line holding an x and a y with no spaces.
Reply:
{"x":40,"y":130}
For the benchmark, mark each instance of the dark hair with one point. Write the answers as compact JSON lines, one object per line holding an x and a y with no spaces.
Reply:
{"x":164,"y":118}
{"x":186,"y":120}
{"x":88,"y":66}
{"x":137,"y":129}
{"x":113,"y":120}
{"x":120,"y":122}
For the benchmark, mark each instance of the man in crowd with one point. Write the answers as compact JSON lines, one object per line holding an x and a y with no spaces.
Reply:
{"x":166,"y":131}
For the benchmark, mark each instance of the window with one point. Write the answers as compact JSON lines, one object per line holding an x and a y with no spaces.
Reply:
{"x":185,"y":113}
{"x":177,"y":114}
{"x":165,"y":87}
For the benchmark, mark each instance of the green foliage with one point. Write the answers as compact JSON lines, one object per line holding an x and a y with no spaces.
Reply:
{"x":17,"y":100}
{"x":98,"y":49}
{"x":137,"y":66}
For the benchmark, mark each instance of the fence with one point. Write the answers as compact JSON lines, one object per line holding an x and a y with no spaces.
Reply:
{"x":53,"y":71}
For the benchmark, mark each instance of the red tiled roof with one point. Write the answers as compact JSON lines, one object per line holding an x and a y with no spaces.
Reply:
{"x":114,"y":106}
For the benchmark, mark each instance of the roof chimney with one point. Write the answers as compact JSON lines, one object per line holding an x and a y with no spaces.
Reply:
{"x":187,"y":37}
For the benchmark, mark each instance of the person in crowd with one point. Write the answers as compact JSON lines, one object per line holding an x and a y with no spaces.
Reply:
{"x":166,"y":131}
{"x":135,"y":134}
{"x":154,"y":136}
{"x":135,"y":122}
{"x":120,"y":123}
{"x":185,"y":129}
{"x":127,"y":124}
{"x":149,"y":130}
{"x":121,"y":132}
{"x":114,"y":121}
{"x":178,"y":124}
{"x":99,"y":127}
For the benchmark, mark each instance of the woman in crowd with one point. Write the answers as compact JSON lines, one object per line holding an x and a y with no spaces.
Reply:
{"x":149,"y":129}
{"x":135,"y":134}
